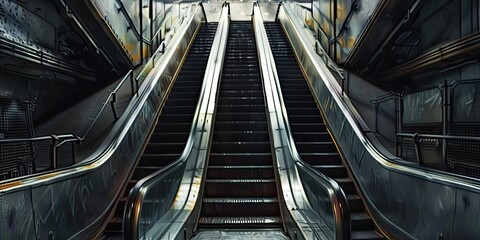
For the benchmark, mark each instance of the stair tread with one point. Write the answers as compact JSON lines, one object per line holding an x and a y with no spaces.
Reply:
{"x":240,"y":180}
{"x":240,"y":220}
{"x":240,"y":200}
{"x":239,"y":166}
{"x":366,"y":234}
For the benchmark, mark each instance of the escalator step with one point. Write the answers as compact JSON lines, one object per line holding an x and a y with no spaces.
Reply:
{"x":312,"y":136}
{"x":240,"y":172}
{"x":252,"y":159}
{"x":240,"y":188}
{"x":241,"y":126}
{"x":168,"y":147}
{"x":241,"y":222}
{"x":159,"y":160}
{"x":240,"y":147}
{"x":355,"y":203}
{"x":361,"y":221}
{"x":346,"y":184}
{"x":169,"y":137}
{"x":332,"y":171}
{"x":240,"y":207}
{"x":241,"y":136}
{"x":366,"y":234}
{"x":321,"y":158}
{"x":241,"y":116}
{"x":313,"y":147}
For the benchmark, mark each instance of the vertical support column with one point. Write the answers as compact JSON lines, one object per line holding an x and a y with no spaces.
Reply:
{"x":445,"y":111}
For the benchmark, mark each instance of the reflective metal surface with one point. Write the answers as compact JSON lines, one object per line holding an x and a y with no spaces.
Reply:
{"x":407,"y":202}
{"x":316,"y":206}
{"x":240,"y":235}
{"x":74,"y":202}
{"x":160,"y":205}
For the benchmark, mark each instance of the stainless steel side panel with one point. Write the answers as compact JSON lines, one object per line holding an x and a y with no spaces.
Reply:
{"x":73,"y":203}
{"x":407,"y":202}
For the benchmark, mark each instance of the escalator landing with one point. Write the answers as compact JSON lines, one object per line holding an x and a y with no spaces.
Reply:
{"x":272,"y":234}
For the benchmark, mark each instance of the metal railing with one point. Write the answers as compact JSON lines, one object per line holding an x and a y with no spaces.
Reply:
{"x":58,"y":140}
{"x":432,"y":124}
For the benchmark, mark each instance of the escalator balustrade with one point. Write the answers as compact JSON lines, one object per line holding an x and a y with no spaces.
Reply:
{"x":313,"y":142}
{"x":170,"y":135}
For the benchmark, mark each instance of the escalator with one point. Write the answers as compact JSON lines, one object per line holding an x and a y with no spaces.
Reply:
{"x":240,"y":190}
{"x":170,"y":135}
{"x":313,"y":142}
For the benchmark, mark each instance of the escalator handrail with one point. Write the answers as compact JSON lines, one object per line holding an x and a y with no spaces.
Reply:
{"x":205,"y":105}
{"x":337,"y":196}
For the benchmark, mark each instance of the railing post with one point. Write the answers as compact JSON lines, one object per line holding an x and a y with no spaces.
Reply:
{"x":53,"y":152}
{"x":131,"y":83}
{"x":112,"y":104}
{"x":417,"y":148}
{"x":446,"y":110}
{"x":397,"y":142}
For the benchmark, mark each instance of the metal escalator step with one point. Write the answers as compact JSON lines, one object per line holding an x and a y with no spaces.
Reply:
{"x":159,"y":160}
{"x":331,"y":158}
{"x":292,"y":103}
{"x":177,"y":118}
{"x":178,"y":109}
{"x":295,"y":85}
{"x":333,"y":171}
{"x":241,"y":222}
{"x":240,"y":100}
{"x":182,"y":95}
{"x":346,"y":184}
{"x":241,"y":126}
{"x":182,"y":101}
{"x":312,"y":137}
{"x":366,"y":234}
{"x":253,"y":159}
{"x":355,"y":203}
{"x":114,"y":226}
{"x":242,"y":81}
{"x":241,"y":93}
{"x":240,"y":172}
{"x":240,"y":147}
{"x":241,"y":108}
{"x":305,"y":118}
{"x":301,"y":98}
{"x":241,"y":116}
{"x":172,"y":127}
{"x":162,"y":148}
{"x":241,"y":136}
{"x":361,"y":221}
{"x":240,"y":207}
{"x":170,"y":137}
{"x":250,"y":86}
{"x":313,"y":147}
{"x":308,"y":127}
{"x":240,"y":188}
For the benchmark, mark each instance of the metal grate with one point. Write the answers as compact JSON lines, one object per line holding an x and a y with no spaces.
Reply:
{"x":464,"y":156}
{"x":430,"y":149}
{"x":16,"y":159}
